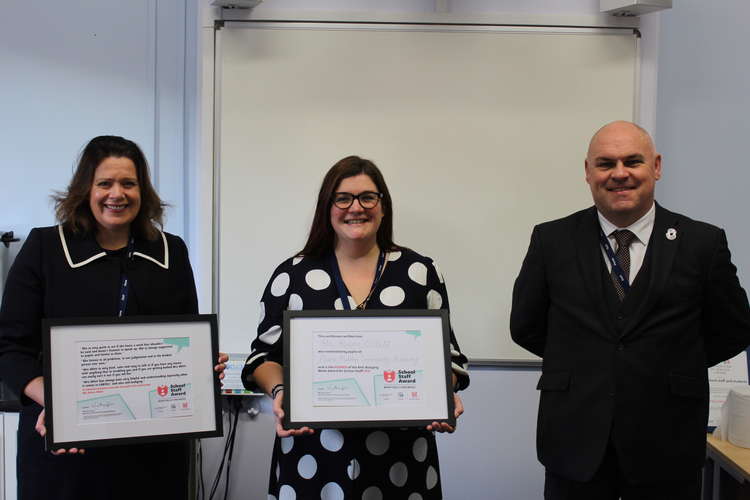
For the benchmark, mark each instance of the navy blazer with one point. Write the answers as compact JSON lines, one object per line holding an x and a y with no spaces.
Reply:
{"x":58,"y":274}
{"x":640,"y":379}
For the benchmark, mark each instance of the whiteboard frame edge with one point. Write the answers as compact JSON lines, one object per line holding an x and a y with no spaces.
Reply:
{"x":292,"y":24}
{"x":597,"y":19}
{"x":215,"y":96}
{"x":216,"y":171}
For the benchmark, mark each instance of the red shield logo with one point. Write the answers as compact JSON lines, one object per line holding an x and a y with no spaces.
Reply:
{"x":162,"y":390}
{"x":389,"y":376}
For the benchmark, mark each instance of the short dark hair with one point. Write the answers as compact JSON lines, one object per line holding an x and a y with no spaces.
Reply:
{"x":72,"y":206}
{"x":322,"y":236}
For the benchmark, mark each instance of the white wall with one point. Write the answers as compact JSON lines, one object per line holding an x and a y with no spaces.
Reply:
{"x":702,"y":125}
{"x":76,"y":69}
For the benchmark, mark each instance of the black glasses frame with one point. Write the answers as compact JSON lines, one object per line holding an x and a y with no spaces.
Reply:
{"x":356,"y":197}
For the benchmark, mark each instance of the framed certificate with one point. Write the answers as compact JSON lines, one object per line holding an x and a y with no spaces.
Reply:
{"x":129,"y":380}
{"x":371,"y":368}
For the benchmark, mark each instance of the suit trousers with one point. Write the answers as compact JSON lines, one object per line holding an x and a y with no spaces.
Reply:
{"x":609,"y":483}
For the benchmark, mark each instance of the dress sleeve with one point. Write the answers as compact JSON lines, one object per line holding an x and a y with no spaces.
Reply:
{"x":437,"y":298}
{"x":267,"y":345}
{"x":21,"y":316}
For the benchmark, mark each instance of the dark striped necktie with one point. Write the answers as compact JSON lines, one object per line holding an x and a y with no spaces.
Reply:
{"x":623,"y":238}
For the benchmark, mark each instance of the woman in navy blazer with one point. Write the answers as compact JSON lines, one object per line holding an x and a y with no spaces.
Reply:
{"x":109,"y":228}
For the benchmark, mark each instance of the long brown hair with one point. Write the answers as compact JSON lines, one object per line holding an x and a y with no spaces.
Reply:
{"x":72,"y":206}
{"x":322,"y":237}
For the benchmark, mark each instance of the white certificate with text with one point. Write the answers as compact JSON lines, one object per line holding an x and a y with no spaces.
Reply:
{"x":372,"y":368}
{"x":367,"y":368}
{"x":134,"y":379}
{"x":130,"y":379}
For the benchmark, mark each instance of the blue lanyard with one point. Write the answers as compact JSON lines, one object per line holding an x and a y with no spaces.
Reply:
{"x":124,"y":289}
{"x":341,"y":287}
{"x":616,"y":267}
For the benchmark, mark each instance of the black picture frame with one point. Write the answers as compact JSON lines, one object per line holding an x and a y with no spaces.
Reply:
{"x":52,"y":326}
{"x":445,"y":373}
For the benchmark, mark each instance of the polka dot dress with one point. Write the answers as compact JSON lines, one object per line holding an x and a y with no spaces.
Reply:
{"x":361,"y":464}
{"x":367,"y":464}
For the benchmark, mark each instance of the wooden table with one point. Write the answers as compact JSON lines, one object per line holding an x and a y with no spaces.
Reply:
{"x":726,"y":475}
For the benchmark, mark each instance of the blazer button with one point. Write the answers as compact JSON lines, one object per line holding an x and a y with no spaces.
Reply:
{"x":620,"y":347}
{"x":620,"y":317}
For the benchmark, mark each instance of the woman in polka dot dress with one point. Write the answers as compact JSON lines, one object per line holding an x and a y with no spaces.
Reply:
{"x":351,"y":237}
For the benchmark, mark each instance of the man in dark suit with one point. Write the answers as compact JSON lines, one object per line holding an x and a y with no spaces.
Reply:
{"x":627,"y":303}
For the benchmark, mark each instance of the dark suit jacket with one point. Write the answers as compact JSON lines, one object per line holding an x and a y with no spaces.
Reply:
{"x":639,"y":378}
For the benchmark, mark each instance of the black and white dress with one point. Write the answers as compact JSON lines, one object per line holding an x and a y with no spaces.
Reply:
{"x":367,"y":464}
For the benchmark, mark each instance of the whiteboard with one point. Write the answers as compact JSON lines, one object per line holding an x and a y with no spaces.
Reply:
{"x":481,"y":133}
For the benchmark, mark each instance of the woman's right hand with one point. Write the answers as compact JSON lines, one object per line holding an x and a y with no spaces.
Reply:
{"x":42,"y":430}
{"x":34,"y":390}
{"x":279,"y":413}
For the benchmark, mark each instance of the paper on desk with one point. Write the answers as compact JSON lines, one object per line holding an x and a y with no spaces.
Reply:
{"x":721,"y":378}
{"x":735,"y":417}
{"x":232,"y":383}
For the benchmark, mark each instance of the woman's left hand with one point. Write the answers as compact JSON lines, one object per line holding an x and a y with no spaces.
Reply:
{"x":221,"y":366}
{"x":444,"y":427}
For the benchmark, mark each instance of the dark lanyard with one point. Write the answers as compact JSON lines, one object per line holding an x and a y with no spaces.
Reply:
{"x":124,"y":289}
{"x":616,"y":267}
{"x":341,"y":287}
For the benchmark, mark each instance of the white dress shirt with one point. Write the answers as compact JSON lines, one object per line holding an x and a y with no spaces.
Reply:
{"x":641,"y":228}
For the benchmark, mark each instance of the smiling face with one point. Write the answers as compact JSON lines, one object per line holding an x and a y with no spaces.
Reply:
{"x":115,"y":196}
{"x":356,"y":224}
{"x":622,"y":168}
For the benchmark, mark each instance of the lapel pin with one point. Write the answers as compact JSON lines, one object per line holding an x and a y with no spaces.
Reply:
{"x":671,"y":234}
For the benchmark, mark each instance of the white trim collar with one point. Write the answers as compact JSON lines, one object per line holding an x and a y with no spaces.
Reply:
{"x":64,"y":243}
{"x":67,"y":252}
{"x":164,"y":265}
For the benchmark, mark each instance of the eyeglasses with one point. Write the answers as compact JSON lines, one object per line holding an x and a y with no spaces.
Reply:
{"x":367,"y":199}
